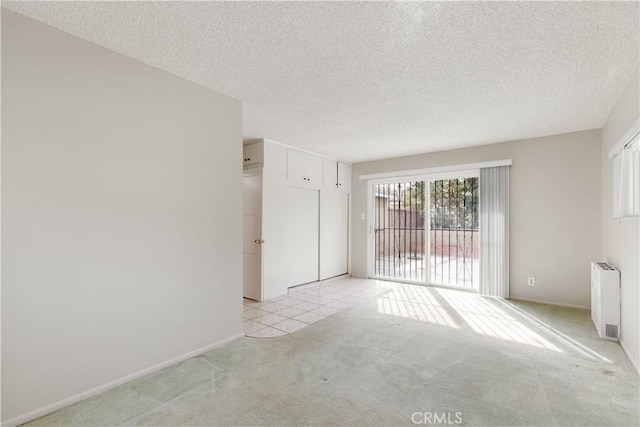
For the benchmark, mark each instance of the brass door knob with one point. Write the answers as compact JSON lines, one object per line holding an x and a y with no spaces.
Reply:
{"x":258,"y":241}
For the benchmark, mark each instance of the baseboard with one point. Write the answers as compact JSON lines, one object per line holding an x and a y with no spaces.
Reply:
{"x":30,"y":416}
{"x":626,"y":353}
{"x":557,"y":304}
{"x":307,"y":286}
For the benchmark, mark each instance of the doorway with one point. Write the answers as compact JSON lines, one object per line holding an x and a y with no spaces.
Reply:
{"x":252,"y":232}
{"x":425,"y":231}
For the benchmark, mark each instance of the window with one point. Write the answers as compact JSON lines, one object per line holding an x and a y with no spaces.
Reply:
{"x":626,"y":176}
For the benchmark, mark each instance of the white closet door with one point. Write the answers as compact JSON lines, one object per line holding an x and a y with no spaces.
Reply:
{"x":334,"y":233}
{"x":302,"y":236}
{"x":252,"y":234}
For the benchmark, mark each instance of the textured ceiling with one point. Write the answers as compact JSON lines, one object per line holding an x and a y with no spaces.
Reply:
{"x":368,"y":80}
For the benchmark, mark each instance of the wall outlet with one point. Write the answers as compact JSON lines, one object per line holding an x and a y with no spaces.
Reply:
{"x":531,"y":281}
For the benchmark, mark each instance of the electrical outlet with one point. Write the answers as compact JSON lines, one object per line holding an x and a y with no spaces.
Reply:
{"x":531,"y":281}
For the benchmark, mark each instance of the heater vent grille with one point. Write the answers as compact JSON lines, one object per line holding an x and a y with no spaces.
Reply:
{"x":611,"y":331}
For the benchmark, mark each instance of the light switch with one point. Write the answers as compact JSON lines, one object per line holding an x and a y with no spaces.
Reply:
{"x":362,"y":217}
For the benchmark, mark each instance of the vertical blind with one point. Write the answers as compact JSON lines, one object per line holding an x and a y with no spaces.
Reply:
{"x":494,"y":236}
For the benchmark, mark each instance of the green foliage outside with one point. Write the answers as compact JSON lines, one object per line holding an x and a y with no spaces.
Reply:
{"x":454,"y":202}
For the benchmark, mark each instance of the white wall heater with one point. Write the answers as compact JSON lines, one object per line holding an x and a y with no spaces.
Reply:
{"x":605,"y":300}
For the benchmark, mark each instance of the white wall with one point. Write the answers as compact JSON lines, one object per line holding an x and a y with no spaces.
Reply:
{"x":121,"y":233}
{"x":275,"y":265}
{"x":554,"y":210}
{"x":621,"y":237}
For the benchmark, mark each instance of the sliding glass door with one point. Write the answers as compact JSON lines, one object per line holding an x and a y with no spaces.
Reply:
{"x":432,"y":219}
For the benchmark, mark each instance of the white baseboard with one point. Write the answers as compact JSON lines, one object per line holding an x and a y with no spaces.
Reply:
{"x":30,"y":416}
{"x":307,"y":286}
{"x":540,"y":301}
{"x":626,"y":352}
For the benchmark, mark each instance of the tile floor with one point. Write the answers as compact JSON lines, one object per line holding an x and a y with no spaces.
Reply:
{"x":306,"y":305}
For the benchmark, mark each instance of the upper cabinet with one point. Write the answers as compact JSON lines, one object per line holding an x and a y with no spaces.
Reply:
{"x":344,"y":177}
{"x":330,"y":174}
{"x":304,"y":170}
{"x":337,"y":176}
{"x":252,"y":153}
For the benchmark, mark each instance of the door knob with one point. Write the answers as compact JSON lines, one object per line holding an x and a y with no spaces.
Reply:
{"x":258,"y":241}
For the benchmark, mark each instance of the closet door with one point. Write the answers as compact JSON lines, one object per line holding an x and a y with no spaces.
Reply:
{"x":252,"y":236}
{"x":334,"y":233}
{"x":302,"y":235}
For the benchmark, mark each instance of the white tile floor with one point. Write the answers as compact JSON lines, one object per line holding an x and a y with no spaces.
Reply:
{"x":306,"y":305}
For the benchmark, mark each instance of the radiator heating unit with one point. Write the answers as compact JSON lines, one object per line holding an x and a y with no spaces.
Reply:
{"x":605,"y":300}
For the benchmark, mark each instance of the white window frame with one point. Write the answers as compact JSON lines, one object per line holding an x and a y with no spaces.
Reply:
{"x":625,"y":156}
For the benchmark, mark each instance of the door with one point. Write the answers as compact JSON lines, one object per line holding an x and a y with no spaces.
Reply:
{"x":330,"y":174}
{"x":334,"y":233}
{"x":434,"y":219}
{"x":344,"y":177}
{"x":252,"y":236}
{"x":304,"y":170}
{"x":399,"y":231}
{"x":454,"y":234}
{"x":302,"y":237}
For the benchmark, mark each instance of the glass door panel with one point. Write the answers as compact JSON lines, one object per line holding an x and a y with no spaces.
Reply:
{"x":454,"y":233}
{"x":399,"y":230}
